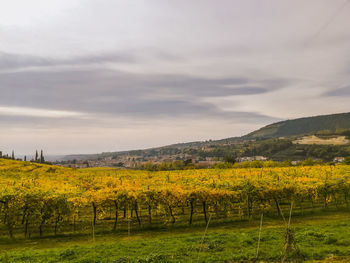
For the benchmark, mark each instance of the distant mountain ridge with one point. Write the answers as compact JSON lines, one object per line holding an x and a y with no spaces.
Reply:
{"x":284,"y":129}
{"x":303,"y":126}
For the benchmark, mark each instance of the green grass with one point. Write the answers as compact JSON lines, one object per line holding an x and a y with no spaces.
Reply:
{"x":319,"y":236}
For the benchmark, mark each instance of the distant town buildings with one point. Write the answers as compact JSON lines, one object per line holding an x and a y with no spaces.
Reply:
{"x":251,"y":158}
{"x":136,"y":161}
{"x":339,"y":159}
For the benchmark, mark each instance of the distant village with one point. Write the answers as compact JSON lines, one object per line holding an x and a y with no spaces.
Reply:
{"x":136,"y":161}
{"x":129,"y":161}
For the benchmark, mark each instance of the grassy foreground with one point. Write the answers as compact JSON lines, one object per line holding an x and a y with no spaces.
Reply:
{"x":321,"y":236}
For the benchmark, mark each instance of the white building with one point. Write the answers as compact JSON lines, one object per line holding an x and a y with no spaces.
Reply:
{"x":339,"y":159}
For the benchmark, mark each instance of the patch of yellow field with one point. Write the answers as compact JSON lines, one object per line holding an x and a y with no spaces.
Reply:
{"x":340,"y":140}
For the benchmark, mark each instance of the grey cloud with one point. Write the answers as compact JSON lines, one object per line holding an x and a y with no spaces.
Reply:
{"x":339,"y":92}
{"x":208,"y":115}
{"x":10,"y":61}
{"x":116,"y":57}
{"x":120,"y":93}
{"x":115,"y":91}
{"x":41,"y":122}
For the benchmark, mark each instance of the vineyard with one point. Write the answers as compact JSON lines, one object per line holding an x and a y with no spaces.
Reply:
{"x":38,"y":199}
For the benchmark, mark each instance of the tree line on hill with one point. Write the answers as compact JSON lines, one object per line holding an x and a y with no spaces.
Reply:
{"x":334,"y":123}
{"x":230,"y":162}
{"x":36,"y":159}
{"x":274,"y":149}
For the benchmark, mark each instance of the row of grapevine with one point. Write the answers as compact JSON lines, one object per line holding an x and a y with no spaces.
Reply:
{"x":40,"y":199}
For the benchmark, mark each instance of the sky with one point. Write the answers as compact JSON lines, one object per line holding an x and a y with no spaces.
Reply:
{"x":89,"y":76}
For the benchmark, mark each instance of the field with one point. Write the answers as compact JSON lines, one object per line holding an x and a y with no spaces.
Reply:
{"x":337,"y":140}
{"x":319,"y":236}
{"x":55,"y":214}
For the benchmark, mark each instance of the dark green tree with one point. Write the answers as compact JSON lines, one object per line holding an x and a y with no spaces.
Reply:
{"x":230,"y":159}
{"x":42,"y":159}
{"x":347,"y":160}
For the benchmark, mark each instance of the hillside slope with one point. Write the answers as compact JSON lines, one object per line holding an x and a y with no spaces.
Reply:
{"x":266,"y":141}
{"x":302,"y":126}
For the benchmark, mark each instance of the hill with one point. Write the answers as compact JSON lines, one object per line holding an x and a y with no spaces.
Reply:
{"x":303,"y":126}
{"x":285,"y":140}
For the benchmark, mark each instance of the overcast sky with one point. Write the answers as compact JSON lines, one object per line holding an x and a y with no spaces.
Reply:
{"x":86,"y":76}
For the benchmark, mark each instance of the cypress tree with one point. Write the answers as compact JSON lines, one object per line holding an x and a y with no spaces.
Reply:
{"x":42,"y":160}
